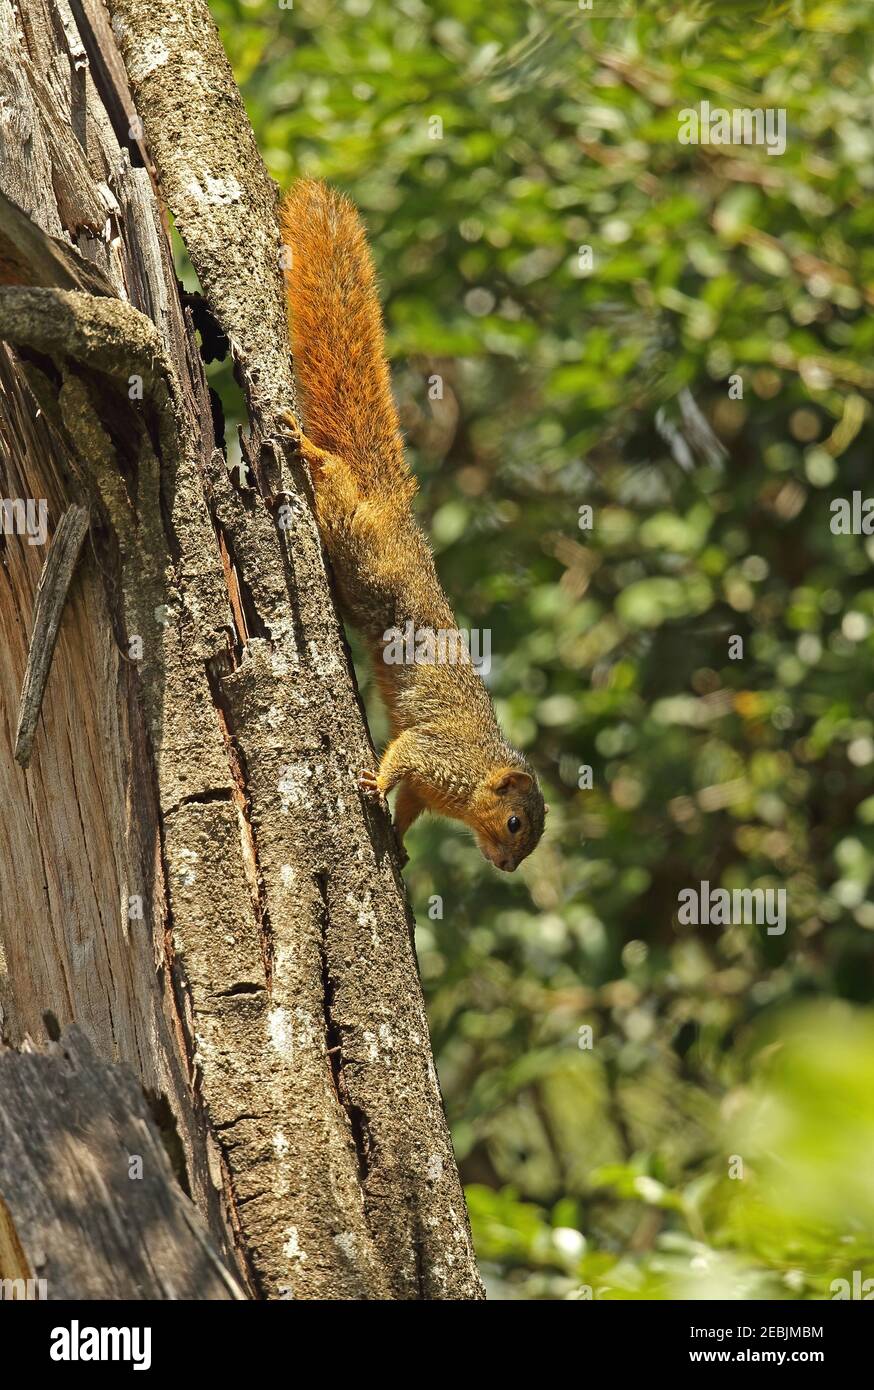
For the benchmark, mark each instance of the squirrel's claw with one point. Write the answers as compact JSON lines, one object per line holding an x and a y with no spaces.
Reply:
{"x":369,"y":785}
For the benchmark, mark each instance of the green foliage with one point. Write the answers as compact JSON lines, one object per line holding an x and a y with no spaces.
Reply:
{"x":608,"y":1166}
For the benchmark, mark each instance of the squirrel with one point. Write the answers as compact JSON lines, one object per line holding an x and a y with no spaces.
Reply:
{"x":446,"y":753}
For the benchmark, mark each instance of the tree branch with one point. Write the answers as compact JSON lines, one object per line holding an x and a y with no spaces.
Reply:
{"x":51,"y":595}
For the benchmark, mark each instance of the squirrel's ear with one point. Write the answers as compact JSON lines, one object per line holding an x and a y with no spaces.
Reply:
{"x":511,"y":779}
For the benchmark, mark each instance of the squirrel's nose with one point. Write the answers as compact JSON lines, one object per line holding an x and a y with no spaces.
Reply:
{"x":508,"y":865}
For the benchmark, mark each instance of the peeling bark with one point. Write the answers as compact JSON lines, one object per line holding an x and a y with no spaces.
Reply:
{"x":188,"y":870}
{"x":101,"y":1215}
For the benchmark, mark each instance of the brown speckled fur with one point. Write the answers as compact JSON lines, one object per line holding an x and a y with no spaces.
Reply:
{"x":447,"y":753}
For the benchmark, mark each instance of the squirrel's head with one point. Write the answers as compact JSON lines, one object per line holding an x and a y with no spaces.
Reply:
{"x":510,"y":816}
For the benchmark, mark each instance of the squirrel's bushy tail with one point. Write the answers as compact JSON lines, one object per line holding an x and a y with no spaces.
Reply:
{"x":337,"y":338}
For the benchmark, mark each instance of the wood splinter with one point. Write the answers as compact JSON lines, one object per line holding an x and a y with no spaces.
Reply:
{"x":48,"y":608}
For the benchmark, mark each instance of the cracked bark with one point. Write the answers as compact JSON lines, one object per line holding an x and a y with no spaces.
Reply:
{"x":65,"y":1118}
{"x":204,"y":779}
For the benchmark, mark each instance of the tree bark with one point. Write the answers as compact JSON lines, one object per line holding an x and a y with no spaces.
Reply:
{"x":101,"y":1215}
{"x":187,"y":869}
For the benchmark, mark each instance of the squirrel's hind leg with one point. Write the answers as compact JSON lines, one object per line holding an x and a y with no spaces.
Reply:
{"x":336,"y":491}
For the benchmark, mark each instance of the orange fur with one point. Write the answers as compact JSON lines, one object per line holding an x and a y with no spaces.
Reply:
{"x":447,"y":753}
{"x":337,"y":337}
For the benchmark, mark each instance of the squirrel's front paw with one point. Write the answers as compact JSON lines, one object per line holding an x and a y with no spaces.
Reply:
{"x":369,"y":785}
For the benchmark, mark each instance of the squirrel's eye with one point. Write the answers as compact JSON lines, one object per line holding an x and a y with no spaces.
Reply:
{"x":514,"y":824}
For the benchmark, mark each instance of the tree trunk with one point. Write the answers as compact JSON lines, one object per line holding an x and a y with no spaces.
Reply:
{"x":81,"y":1131}
{"x":187,"y":870}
